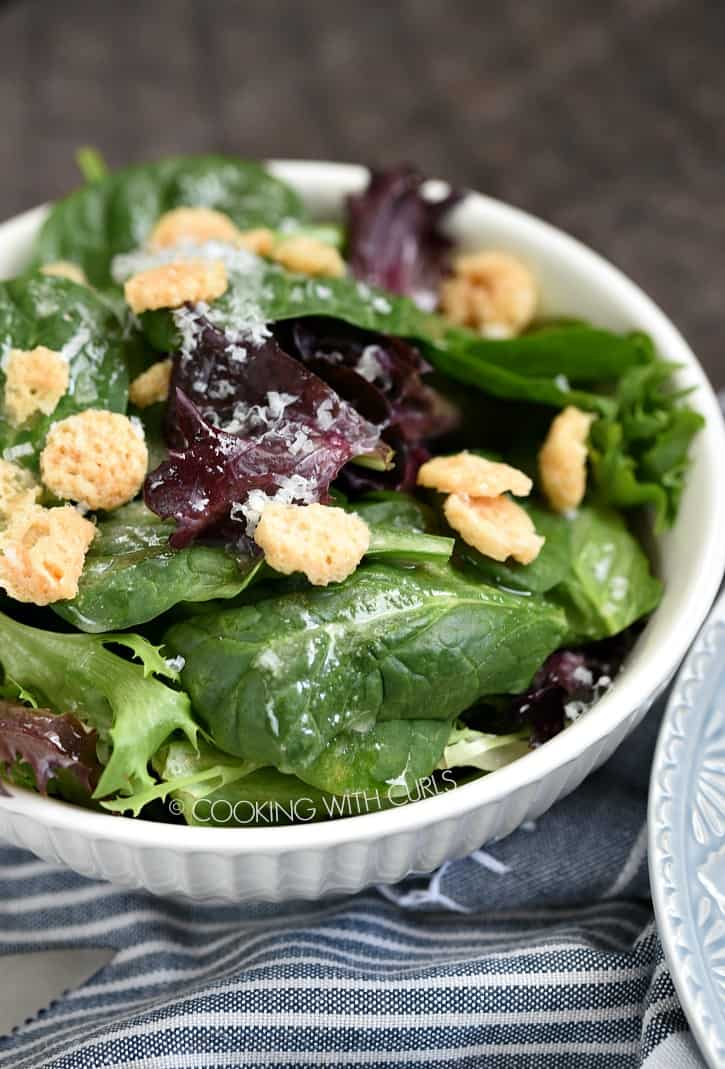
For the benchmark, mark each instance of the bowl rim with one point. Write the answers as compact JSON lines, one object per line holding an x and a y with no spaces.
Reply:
{"x":632,"y":688}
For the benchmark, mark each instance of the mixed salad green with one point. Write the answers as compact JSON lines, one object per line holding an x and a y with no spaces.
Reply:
{"x":187,"y":669}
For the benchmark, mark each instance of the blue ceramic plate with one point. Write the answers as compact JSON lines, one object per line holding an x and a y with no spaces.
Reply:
{"x":687,"y":836}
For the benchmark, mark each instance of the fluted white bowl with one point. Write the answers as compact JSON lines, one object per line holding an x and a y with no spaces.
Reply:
{"x":344,"y":855}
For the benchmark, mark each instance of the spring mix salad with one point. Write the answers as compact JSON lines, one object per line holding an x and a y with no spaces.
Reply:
{"x":297,"y":509}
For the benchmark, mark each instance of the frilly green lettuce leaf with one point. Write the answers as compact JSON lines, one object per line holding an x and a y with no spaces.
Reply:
{"x":187,"y":774}
{"x":639,"y":455}
{"x":133,"y":711}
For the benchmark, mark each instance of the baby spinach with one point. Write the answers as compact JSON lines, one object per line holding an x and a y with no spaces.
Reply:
{"x":278,"y":294}
{"x":54,"y":312}
{"x":469,"y":364}
{"x":590,"y":564}
{"x":385,"y":767}
{"x":393,"y":508}
{"x":390,"y":758}
{"x":524,"y":368}
{"x":609,"y":584}
{"x":277,"y":680}
{"x":133,"y":712}
{"x":115,"y":213}
{"x":263,"y":797}
{"x":385,"y":764}
{"x":132,"y":574}
{"x":395,"y":543}
{"x":550,"y":567}
{"x":578,"y":352}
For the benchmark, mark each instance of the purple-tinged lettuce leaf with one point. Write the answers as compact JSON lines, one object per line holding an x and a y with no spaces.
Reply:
{"x":394,"y":236}
{"x":212,"y":470}
{"x":256,"y":389}
{"x":247,"y":419}
{"x":49,"y":743}
{"x":381,"y":377}
{"x":568,"y":683}
{"x":390,"y":366}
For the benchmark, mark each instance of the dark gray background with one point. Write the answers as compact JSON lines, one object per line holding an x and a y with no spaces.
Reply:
{"x":606,"y":117}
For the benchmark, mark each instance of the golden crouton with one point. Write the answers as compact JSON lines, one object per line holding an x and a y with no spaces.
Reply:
{"x":95,"y":457}
{"x":563,"y":459}
{"x":195,"y":225}
{"x":324,"y":543}
{"x":35,"y":381}
{"x":152,"y":385}
{"x":466,"y":473}
{"x":495,"y":526}
{"x":65,"y":269}
{"x":260,"y":241}
{"x":493,"y":292}
{"x":43,"y":551}
{"x":174,"y":284}
{"x":309,"y":256}
{"x":18,"y":488}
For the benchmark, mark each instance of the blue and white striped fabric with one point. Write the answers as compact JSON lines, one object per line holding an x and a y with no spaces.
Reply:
{"x":539,"y":951}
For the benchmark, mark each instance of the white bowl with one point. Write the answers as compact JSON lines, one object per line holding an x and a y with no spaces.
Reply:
{"x":345,"y":855}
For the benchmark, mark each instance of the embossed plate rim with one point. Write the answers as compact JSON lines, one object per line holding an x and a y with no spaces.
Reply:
{"x":682,"y":838}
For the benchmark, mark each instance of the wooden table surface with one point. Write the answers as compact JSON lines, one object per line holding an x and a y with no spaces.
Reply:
{"x":606,"y":118}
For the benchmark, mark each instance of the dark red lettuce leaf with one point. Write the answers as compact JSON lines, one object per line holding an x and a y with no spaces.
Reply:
{"x":394,"y":237}
{"x":390,"y":366}
{"x":230,"y":386}
{"x":49,"y":743}
{"x":212,"y":470}
{"x":243,"y":419}
{"x":381,"y":377}
{"x":579,"y":676}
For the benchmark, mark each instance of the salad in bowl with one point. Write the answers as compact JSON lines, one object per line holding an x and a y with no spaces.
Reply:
{"x":306,"y":511}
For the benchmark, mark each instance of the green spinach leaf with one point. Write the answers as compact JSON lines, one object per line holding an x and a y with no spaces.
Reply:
{"x":394,"y":543}
{"x":38,"y":310}
{"x":363,"y":777}
{"x":264,"y":798}
{"x":390,"y":758}
{"x":132,"y":575}
{"x":524,"y":369}
{"x":393,"y":509}
{"x":275,"y":681}
{"x":115,"y":213}
{"x":609,"y":584}
{"x":579,"y":352}
{"x":550,"y":567}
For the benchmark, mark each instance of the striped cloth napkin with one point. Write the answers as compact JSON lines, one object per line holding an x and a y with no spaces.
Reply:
{"x":539,"y":951}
